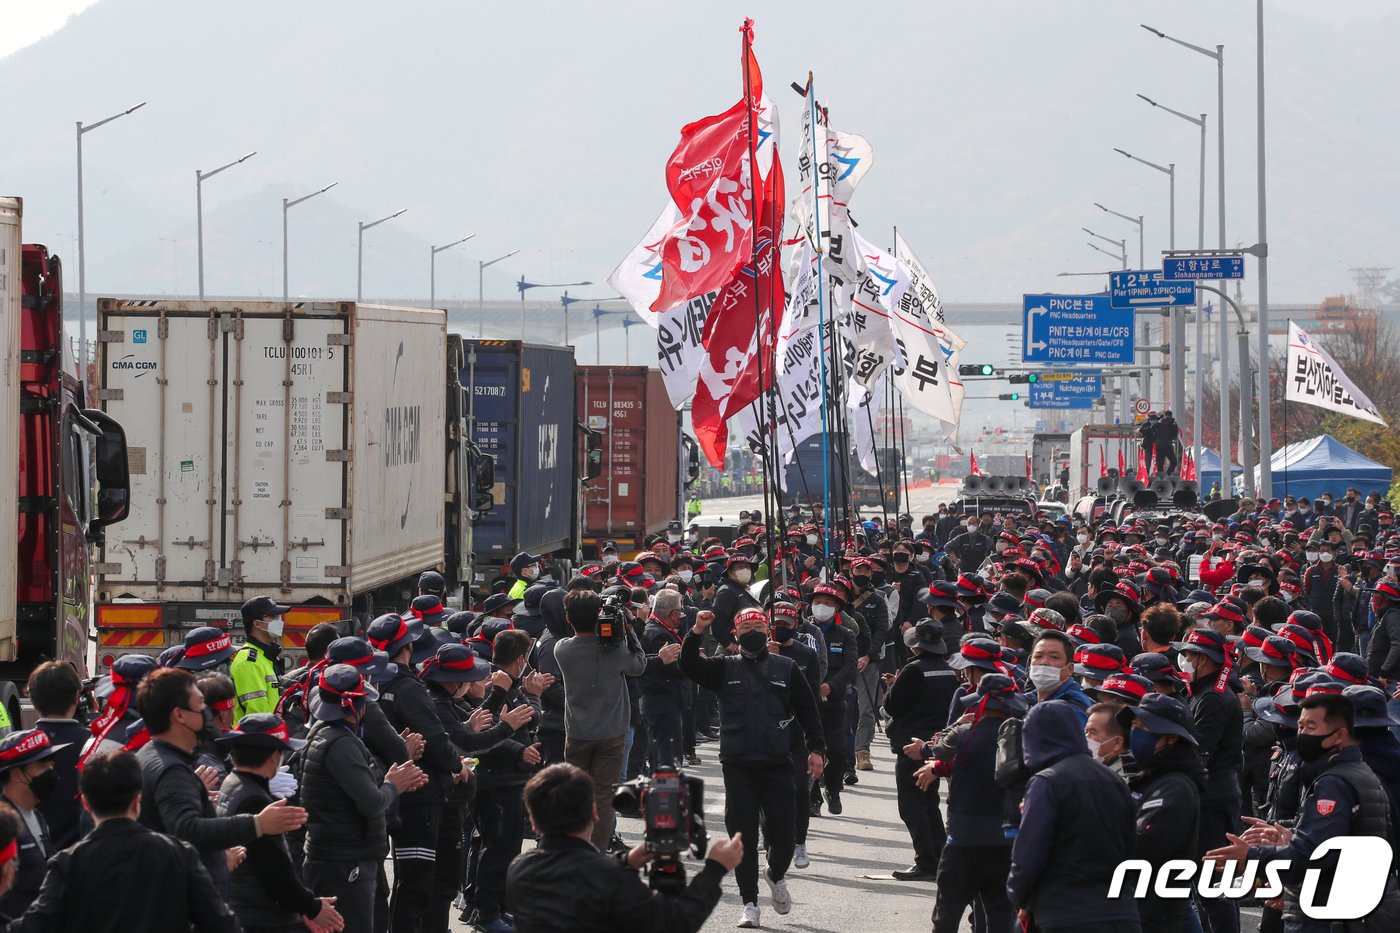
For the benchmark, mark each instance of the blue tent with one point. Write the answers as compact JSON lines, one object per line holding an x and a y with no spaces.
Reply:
{"x":1324,"y":464}
{"x":1208,"y":466}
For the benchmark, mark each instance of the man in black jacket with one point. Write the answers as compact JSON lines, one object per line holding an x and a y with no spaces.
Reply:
{"x":870,"y":604}
{"x":842,"y":657}
{"x":566,"y":884}
{"x":1218,"y":724}
{"x":53,"y":689}
{"x":918,"y":702}
{"x":27,"y":776}
{"x":975,"y":862}
{"x":662,"y":683}
{"x":1167,"y":790}
{"x":732,"y":596}
{"x":787,"y":643}
{"x":122,"y":876}
{"x":971,"y":547}
{"x":348,"y":797}
{"x":419,"y":834}
{"x":266,"y":892}
{"x":761,"y":695}
{"x":175,"y":800}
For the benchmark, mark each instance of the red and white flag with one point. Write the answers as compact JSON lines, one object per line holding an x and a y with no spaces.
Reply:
{"x":1030,"y":478}
{"x":1142,"y":466}
{"x":1103,"y":460}
{"x":1188,"y":467}
{"x":976,"y":471}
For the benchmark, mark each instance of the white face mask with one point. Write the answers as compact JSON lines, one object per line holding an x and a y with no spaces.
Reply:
{"x":1001,"y":546}
{"x":1312,"y":557}
{"x":1095,"y":746}
{"x":1217,"y":537}
{"x":811,"y":540}
{"x":1163,"y":542}
{"x":274,"y":627}
{"x":685,"y":575}
{"x":1045,"y":677}
{"x":972,"y":526}
{"x":1186,"y":666}
{"x":923,"y":558}
{"x":1326,"y":557}
{"x":529,"y":573}
{"x":742,"y":575}
{"x":1082,"y":539}
{"x":822,"y":612}
{"x":674,"y":539}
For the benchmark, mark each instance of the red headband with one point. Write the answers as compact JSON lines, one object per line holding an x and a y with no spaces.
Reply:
{"x":206,"y":648}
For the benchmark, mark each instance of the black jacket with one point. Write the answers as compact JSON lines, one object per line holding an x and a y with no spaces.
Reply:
{"x":1219,"y":728}
{"x":552,"y":700}
{"x":566,"y":884}
{"x":919,"y":700}
{"x":1167,"y":794}
{"x":406,"y":703}
{"x":62,"y":808}
{"x":976,"y":802}
{"x":729,"y":599}
{"x":33,"y":856}
{"x":346,"y":797}
{"x":841,"y":659}
{"x":971,"y":549}
{"x":663,"y":681}
{"x":122,"y":876}
{"x":175,"y":801}
{"x":875,"y":617}
{"x":502,"y":765}
{"x":1383,"y":654}
{"x":265,"y":890}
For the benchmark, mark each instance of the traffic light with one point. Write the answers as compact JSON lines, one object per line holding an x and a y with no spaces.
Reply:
{"x":1022,"y":378}
{"x":977,"y":369}
{"x":1009,"y":396}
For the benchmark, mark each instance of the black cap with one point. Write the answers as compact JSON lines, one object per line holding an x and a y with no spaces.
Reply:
{"x":29,"y":745}
{"x":205,"y":648}
{"x":339,"y":688}
{"x":359,"y":654}
{"x":926,"y":635}
{"x":998,"y":692}
{"x":391,"y":632}
{"x":1159,"y":714}
{"x":522,"y":560}
{"x":1369,"y":706}
{"x":459,"y":622}
{"x":260,"y":730}
{"x":940,"y":593}
{"x":1204,"y":641}
{"x":430,"y":581}
{"x":260,"y":607}
{"x":455,"y":664}
{"x":495,"y":602}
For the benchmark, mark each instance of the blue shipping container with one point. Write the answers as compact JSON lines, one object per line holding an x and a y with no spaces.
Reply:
{"x":520,"y":409}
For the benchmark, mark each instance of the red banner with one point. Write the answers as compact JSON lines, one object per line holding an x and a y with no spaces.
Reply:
{"x":975,"y":470}
{"x":1142,"y":466}
{"x":1103,"y":460}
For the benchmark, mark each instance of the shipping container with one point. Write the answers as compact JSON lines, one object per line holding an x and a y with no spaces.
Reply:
{"x":10,"y":290}
{"x":521,"y":411}
{"x":636,"y":493}
{"x":1049,"y":453}
{"x":294,"y":450}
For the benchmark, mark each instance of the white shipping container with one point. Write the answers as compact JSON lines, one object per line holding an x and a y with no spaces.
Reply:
{"x":10,"y":288}
{"x":294,"y":450}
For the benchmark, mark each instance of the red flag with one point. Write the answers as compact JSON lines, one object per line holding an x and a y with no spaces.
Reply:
{"x":710,"y":179}
{"x":1122,"y":469}
{"x":741,"y":330}
{"x":1188,"y":467}
{"x":1103,"y":460}
{"x":1029,"y":478}
{"x":1142,"y":466}
{"x":975,"y":470}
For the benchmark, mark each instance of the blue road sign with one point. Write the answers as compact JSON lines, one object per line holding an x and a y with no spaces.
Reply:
{"x":1061,"y":329}
{"x":1079,"y":392}
{"x":1148,"y":288}
{"x":1203,"y":268}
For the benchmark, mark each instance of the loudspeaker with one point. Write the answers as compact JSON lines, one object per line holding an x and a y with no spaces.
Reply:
{"x":973,"y":483}
{"x":1163,"y":486}
{"x":1145,"y":499}
{"x":1106,"y":485}
{"x":1016,"y":484}
{"x":1187,"y":494}
{"x":994,"y":484}
{"x":1129,"y":486}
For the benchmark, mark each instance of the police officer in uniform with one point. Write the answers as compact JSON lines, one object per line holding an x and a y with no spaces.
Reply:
{"x":254,"y":667}
{"x":265,"y":891}
{"x":761,"y":696}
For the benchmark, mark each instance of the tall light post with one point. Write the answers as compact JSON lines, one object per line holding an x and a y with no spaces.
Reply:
{"x":566,"y":299}
{"x":628,"y":322}
{"x":432,"y":267}
{"x":199,"y":177}
{"x":1223,"y":339}
{"x":1266,"y":438}
{"x":1132,"y":220}
{"x":286,"y":206}
{"x":1177,"y":340}
{"x":1200,"y":123}
{"x":525,"y":286}
{"x":82,"y":256}
{"x":599,"y":313}
{"x":1121,"y":255}
{"x":360,"y":252}
{"x":480,"y":291}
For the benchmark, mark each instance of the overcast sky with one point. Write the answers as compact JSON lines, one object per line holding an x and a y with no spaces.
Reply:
{"x":544,"y":127}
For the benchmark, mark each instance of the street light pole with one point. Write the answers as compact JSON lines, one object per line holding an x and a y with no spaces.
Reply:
{"x":1265,"y":415}
{"x":82,"y":255}
{"x":525,"y":286}
{"x":480,"y":291}
{"x":1121,"y":255}
{"x":432,"y":267}
{"x":287,"y":205}
{"x":1177,"y":341}
{"x":199,"y":177}
{"x":1132,"y":220}
{"x":360,"y":252}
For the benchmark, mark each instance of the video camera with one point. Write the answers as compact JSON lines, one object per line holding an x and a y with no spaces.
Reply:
{"x":672,"y":807}
{"x":612,"y":627}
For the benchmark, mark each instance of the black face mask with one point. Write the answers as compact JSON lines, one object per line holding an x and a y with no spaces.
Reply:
{"x":43,"y":784}
{"x":753,"y":641}
{"x":862,"y":582}
{"x":1310,"y":745}
{"x":877,"y":578}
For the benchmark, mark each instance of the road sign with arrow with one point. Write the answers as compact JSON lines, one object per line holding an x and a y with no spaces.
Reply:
{"x":1069,"y":329}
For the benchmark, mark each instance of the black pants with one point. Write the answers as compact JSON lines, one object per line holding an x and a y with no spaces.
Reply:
{"x":665,"y":729}
{"x":919,"y":811}
{"x":971,"y":873}
{"x":500,"y":827}
{"x":415,"y":858}
{"x":706,"y":710}
{"x":801,"y":788}
{"x":447,"y":869}
{"x":754,"y":794}
{"x":352,"y":885}
{"x":551,"y":747}
{"x":834,"y":727}
{"x":1218,"y":914}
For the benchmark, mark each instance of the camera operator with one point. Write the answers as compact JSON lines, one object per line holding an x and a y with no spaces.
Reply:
{"x":596,"y":704}
{"x":761,"y":695}
{"x":565,"y":883}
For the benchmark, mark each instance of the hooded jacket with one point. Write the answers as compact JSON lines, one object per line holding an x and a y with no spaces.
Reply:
{"x":1077,"y":827}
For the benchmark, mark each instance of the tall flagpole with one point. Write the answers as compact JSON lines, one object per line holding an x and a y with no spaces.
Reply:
{"x":820,"y":286}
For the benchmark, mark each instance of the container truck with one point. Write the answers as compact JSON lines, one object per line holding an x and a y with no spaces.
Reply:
{"x":64,"y":467}
{"x":637,"y":491}
{"x":520,"y":411}
{"x":308,"y":451}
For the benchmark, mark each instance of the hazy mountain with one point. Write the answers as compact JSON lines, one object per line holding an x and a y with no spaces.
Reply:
{"x":544,"y":127}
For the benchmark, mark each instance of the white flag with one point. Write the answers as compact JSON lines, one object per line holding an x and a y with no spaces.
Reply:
{"x":862,"y":410}
{"x":638,"y":277}
{"x":929,"y":343}
{"x":680,"y":351}
{"x":1314,"y":378}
